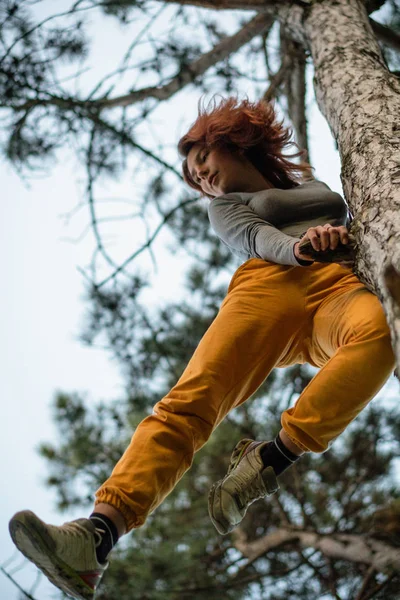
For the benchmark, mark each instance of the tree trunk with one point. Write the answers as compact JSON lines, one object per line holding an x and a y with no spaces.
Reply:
{"x":360,"y":99}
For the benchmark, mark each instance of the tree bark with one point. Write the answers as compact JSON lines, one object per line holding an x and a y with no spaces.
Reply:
{"x":349,"y":547}
{"x":360,"y":100}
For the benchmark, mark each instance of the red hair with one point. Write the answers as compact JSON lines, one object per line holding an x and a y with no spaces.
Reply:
{"x":252,"y":127}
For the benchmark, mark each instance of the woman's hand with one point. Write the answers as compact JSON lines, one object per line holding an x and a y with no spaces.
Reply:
{"x":326,"y":237}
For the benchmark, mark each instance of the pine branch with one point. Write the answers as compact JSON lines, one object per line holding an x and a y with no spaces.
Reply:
{"x":365,"y":584}
{"x":378,"y":588}
{"x":146,"y":245}
{"x":386,"y":35}
{"x":351,"y":547}
{"x":295,"y":88}
{"x":253,"y":5}
{"x":127,"y":140}
{"x":92,"y":209}
{"x":257,"y":26}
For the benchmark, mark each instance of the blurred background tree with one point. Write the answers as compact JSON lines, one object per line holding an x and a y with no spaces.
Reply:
{"x":333,"y":530}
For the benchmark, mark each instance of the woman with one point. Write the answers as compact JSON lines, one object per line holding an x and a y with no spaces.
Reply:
{"x":281,"y":308}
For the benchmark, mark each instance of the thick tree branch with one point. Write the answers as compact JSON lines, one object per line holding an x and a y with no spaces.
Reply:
{"x":277,"y":80}
{"x":257,"y":26}
{"x":386,"y":35}
{"x":268,"y":12}
{"x":295,"y":89}
{"x":254,"y":5}
{"x":272,"y":7}
{"x":351,"y":547}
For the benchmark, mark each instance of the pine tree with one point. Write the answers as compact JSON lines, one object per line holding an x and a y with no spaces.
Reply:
{"x":333,"y":509}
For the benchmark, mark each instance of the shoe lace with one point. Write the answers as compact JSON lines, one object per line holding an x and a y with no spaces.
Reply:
{"x":74,"y":528}
{"x":252,"y":492}
{"x":237,"y":453}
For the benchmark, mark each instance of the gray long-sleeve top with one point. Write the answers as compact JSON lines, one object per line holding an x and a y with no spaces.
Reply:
{"x":267,"y":224}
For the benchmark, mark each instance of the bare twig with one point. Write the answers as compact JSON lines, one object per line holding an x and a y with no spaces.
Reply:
{"x":378,"y":588}
{"x":146,"y":245}
{"x":21,"y":589}
{"x":365,"y":584}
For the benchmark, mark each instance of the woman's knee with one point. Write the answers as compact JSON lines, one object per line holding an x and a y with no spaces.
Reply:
{"x":368,"y":319}
{"x":377,"y":343}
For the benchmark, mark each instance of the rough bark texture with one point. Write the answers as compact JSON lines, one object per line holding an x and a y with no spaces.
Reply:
{"x":360,"y":99}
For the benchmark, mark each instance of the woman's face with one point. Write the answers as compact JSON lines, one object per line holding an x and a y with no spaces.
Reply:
{"x":219,"y":171}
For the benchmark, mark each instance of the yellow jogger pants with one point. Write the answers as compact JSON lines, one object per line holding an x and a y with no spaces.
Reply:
{"x":273,"y":316}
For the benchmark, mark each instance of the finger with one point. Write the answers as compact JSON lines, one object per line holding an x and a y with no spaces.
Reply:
{"x":334,"y":238}
{"x":344,"y":234}
{"x":342,"y":230}
{"x":323,"y":236}
{"x":314,"y":238}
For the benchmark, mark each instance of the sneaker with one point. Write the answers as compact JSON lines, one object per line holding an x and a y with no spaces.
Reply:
{"x":65,"y":554}
{"x":246,"y":481}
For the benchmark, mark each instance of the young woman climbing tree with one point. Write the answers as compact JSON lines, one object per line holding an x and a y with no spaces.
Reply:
{"x":282,"y":307}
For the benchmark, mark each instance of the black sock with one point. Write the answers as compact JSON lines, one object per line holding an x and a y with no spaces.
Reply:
{"x":108,"y":532}
{"x":276,"y":455}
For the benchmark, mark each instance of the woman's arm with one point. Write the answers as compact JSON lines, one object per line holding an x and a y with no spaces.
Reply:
{"x":244,"y":231}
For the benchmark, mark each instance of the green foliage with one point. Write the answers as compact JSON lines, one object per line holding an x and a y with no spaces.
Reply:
{"x":122,"y":9}
{"x":177,"y":553}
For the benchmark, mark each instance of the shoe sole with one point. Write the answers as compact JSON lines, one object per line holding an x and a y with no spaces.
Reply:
{"x":221,"y":524}
{"x":31,"y":538}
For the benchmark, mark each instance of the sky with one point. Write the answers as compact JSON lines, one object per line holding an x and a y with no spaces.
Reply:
{"x":41,"y":316}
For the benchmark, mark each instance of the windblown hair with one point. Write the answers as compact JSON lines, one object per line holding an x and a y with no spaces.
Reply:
{"x":254,"y":129}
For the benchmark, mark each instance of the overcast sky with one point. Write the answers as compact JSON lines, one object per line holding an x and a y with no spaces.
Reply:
{"x":40,"y":317}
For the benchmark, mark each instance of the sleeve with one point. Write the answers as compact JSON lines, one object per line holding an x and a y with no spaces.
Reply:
{"x":245,"y":233}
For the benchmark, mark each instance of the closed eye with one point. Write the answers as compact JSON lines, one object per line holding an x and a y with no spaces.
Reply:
{"x":202,"y":160}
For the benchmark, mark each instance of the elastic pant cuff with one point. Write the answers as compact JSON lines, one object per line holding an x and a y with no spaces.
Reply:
{"x":130,"y":518}
{"x":296,"y":442}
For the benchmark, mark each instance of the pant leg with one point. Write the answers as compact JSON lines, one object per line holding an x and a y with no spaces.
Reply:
{"x":351,"y":342}
{"x":259,"y":325}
